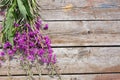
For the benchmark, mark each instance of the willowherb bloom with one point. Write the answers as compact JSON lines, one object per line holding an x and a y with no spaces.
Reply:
{"x":41,"y":52}
{"x":46,"y":27}
{"x":38,"y":23}
{"x":27,"y":25}
{"x":31,"y":44}
{"x":2,"y":54}
{"x":7,"y":45}
{"x":16,"y":24}
{"x":10,"y":52}
{"x":31,"y":57}
{"x":54,"y":59}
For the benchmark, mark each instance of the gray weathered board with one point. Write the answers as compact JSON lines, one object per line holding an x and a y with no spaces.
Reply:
{"x":80,"y":14}
{"x":58,"y":4}
{"x":78,"y":60}
{"x":84,"y":33}
{"x":71,"y":77}
{"x":75,"y":26}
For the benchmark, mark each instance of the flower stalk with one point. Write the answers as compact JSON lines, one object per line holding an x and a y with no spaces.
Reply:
{"x":9,"y":68}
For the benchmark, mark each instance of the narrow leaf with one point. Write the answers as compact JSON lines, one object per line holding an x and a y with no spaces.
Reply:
{"x":22,"y":8}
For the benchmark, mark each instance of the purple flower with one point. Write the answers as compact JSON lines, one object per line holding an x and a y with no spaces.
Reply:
{"x":31,"y":58}
{"x":2,"y":54}
{"x":16,"y":24}
{"x":44,"y":60}
{"x":15,"y":49}
{"x":27,"y":25}
{"x":41,"y":52}
{"x":10,"y":52}
{"x":7,"y":45}
{"x":47,"y":40}
{"x":49,"y":58}
{"x":54,"y":59}
{"x":31,"y":44}
{"x":38,"y":24}
{"x":32,"y":52}
{"x":35,"y":50}
{"x":39,"y":20}
{"x":46,"y":27}
{"x":17,"y":35}
{"x":32,"y":34}
{"x":50,"y":51}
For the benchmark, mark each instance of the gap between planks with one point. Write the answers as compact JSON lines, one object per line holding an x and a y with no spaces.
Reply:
{"x":82,"y":46}
{"x":67,"y":74}
{"x":70,"y":77}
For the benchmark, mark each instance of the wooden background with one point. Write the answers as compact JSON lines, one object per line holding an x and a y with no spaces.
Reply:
{"x":85,"y":36}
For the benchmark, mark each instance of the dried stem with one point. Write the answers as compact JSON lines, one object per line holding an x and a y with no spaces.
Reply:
{"x":38,"y":68}
{"x":8,"y":68}
{"x":54,"y":69}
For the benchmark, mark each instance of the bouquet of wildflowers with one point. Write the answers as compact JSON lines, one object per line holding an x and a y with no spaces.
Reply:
{"x":22,"y":36}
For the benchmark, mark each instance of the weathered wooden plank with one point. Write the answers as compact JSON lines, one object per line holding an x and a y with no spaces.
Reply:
{"x":84,"y":33}
{"x":85,"y":40}
{"x":82,"y":14}
{"x":71,"y":77}
{"x":57,"y":4}
{"x":83,"y":27}
{"x":78,"y":60}
{"x":79,"y":33}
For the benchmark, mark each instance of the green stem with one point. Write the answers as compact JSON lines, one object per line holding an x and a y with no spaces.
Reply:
{"x":53,"y":68}
{"x":8,"y":67}
{"x":26,"y":68}
{"x":38,"y":68}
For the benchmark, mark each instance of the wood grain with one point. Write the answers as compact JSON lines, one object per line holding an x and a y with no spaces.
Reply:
{"x":71,"y":77}
{"x":79,"y":23}
{"x":57,"y":4}
{"x":84,"y":33}
{"x":78,"y":60}
{"x":82,"y":14}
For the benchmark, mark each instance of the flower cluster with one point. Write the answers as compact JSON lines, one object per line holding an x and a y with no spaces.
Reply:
{"x":23,"y":39}
{"x":30,"y":43}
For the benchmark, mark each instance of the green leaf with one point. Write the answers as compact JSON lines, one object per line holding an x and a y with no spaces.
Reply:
{"x":4,"y":2}
{"x":28,"y":8}
{"x":22,"y":8}
{"x":11,"y":36}
{"x":8,"y":24}
{"x":1,"y":36}
{"x":9,"y":20}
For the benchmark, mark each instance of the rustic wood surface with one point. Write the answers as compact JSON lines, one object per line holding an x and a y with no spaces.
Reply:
{"x":80,"y":9}
{"x":75,"y":26}
{"x":84,"y":33}
{"x":79,"y":60}
{"x":71,"y":77}
{"x":82,"y":14}
{"x":58,"y":4}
